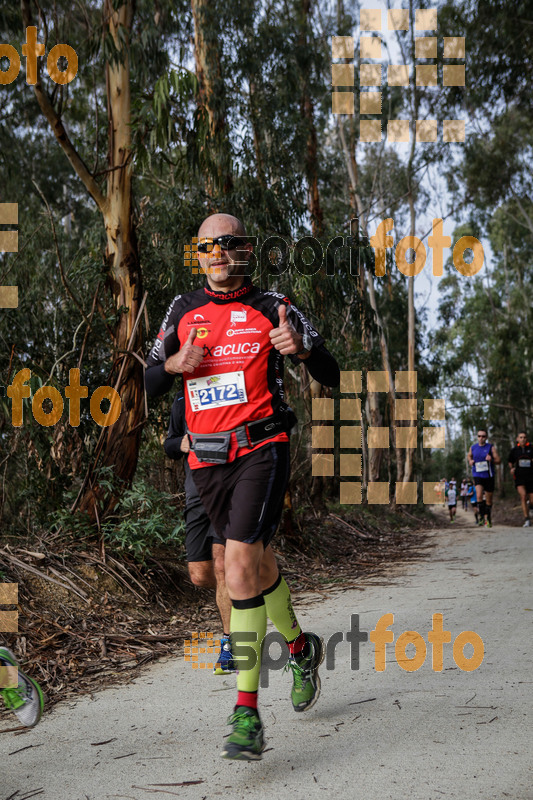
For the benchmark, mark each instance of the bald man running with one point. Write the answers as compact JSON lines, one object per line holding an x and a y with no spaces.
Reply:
{"x":229,"y":340}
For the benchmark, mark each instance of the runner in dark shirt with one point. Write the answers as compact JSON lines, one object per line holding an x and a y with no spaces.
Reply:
{"x":521,"y":465}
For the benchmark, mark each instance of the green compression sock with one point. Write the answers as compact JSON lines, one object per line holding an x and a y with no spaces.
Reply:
{"x":279,"y":609}
{"x":248,"y":617}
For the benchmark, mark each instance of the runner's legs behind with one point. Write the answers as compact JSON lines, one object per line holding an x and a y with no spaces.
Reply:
{"x":525,"y":491}
{"x":205,"y":560}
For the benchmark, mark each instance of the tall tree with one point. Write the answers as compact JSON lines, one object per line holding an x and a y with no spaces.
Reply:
{"x":211,"y":98}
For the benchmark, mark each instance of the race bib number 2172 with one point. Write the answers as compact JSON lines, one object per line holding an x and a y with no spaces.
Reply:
{"x":215,"y":391}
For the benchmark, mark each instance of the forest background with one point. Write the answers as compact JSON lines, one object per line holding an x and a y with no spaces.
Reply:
{"x":182,"y":109}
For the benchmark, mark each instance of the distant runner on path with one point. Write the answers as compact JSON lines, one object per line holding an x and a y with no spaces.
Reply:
{"x":482,"y":456}
{"x":452,"y":502}
{"x":521,"y":465}
{"x":463,"y":493}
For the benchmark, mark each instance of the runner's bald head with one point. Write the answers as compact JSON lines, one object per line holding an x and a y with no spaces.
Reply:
{"x":218,"y":224}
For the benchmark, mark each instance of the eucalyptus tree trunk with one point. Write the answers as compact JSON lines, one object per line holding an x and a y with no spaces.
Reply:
{"x":415,"y":104}
{"x":118,"y":444}
{"x":211,"y":99}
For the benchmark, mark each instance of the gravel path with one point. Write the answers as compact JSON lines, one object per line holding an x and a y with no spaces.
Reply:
{"x":424,"y":734}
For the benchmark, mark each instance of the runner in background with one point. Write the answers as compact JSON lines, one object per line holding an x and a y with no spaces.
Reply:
{"x":204,"y":550}
{"x":521,"y":465}
{"x":482,"y":456}
{"x":471,"y":495}
{"x":464,"y":498}
{"x":473,"y":503}
{"x":452,"y":501}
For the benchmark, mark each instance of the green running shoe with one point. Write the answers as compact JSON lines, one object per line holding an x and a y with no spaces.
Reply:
{"x":305,"y":681}
{"x":246,"y":743}
{"x":488,"y":524}
{"x":26,"y":700}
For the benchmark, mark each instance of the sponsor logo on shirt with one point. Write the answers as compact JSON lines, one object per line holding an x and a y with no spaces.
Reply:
{"x":238,"y":316}
{"x":236,"y":349}
{"x":234,"y":332}
{"x":196,"y":319}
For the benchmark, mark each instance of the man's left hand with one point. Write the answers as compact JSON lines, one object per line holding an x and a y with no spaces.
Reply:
{"x":285,"y":338}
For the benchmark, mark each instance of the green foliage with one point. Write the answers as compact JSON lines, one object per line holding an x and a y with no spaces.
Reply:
{"x":448,"y":463}
{"x":270,"y":57}
{"x":483,"y":345}
{"x":141,"y":521}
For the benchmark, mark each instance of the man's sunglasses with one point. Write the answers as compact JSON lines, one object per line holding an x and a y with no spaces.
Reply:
{"x":225,"y":242}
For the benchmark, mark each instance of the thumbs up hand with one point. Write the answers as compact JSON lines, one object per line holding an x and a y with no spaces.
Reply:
{"x":284,"y":338}
{"x":187,"y":359}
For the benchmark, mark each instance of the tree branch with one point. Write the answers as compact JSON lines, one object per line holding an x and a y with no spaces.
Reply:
{"x":59,"y":129}
{"x":58,"y":253}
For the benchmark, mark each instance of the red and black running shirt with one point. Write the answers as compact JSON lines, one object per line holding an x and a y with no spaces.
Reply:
{"x":241,"y":376}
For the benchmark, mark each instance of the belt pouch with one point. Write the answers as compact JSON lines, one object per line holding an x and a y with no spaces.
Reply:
{"x":263,"y":429}
{"x":211,"y":449}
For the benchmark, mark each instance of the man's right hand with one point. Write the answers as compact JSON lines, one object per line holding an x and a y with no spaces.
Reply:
{"x":187,"y":359}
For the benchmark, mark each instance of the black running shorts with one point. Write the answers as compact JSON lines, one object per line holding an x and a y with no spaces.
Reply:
{"x":487,"y":483}
{"x":244,"y":498}
{"x":527,"y":483}
{"x":199,"y":533}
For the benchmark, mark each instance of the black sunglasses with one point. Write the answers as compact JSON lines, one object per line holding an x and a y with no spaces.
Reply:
{"x":482,"y":436}
{"x":225,"y":242}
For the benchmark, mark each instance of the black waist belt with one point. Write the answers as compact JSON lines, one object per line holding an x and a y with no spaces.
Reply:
{"x":213,"y":448}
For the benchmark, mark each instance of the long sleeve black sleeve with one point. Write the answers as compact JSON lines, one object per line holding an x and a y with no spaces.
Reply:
{"x":322,"y":366}
{"x":157,"y":381}
{"x":176,"y":428}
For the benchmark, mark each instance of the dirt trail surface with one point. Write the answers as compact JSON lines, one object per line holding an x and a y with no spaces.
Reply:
{"x":424,"y":734}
